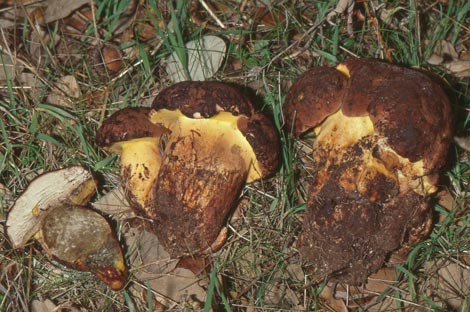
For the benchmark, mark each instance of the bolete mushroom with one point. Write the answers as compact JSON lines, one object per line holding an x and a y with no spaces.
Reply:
{"x":130,"y":134}
{"x":382,"y":134}
{"x":52,"y":210}
{"x":216,"y":142}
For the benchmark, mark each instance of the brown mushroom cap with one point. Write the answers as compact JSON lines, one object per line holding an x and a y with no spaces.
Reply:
{"x":315,"y":95}
{"x":264,"y":140}
{"x":127,"y":124}
{"x":406,"y":106}
{"x":203,"y":98}
{"x":72,"y":185}
{"x":83,"y":239}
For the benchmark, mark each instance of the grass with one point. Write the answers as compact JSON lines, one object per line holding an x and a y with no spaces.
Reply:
{"x":259,"y":268}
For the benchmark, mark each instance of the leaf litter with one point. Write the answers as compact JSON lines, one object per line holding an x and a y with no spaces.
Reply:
{"x":152,"y":265}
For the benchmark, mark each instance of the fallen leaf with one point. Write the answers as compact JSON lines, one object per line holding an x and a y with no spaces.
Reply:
{"x":268,"y":17}
{"x":343,"y":7}
{"x":463,"y":142}
{"x":460,"y":69}
{"x":154,"y":267}
{"x":115,"y":204}
{"x":446,"y":49}
{"x":106,"y":60}
{"x":445,"y":200}
{"x":153,"y":256}
{"x":49,"y":306}
{"x":42,"y":306}
{"x":33,"y":85}
{"x":38,"y":43}
{"x":465,"y":55}
{"x":67,"y":87}
{"x":381,"y":280}
{"x":205,"y":56}
{"x":435,"y":59}
{"x":337,"y":305}
{"x":9,"y":67}
{"x":445,"y":54}
{"x":451,"y":281}
{"x":58,"y":9}
{"x":387,"y":16}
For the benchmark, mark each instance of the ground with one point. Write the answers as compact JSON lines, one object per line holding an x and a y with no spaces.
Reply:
{"x":67,"y":67}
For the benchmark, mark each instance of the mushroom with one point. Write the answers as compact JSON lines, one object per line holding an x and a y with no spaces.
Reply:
{"x":52,"y":211}
{"x":217,"y":142}
{"x":130,"y":134}
{"x":382,"y":134}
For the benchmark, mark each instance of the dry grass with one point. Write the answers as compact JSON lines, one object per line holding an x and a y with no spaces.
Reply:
{"x":259,"y":267}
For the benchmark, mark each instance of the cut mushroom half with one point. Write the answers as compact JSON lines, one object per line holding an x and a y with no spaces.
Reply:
{"x":52,"y":210}
{"x":216,"y":143}
{"x":73,"y":185}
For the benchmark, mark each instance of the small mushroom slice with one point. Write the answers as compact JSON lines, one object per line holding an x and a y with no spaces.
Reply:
{"x":83,"y":240}
{"x":51,"y":210}
{"x":215,"y":147}
{"x":129,"y":133}
{"x":382,"y":137}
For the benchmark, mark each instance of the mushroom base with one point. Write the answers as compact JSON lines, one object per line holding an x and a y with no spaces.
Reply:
{"x":193,"y":205}
{"x":358,"y":215}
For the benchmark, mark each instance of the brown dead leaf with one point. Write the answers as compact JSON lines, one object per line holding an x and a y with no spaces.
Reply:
{"x":268,"y":17}
{"x":465,"y":55}
{"x":106,"y":60}
{"x":380,"y":281}
{"x":58,"y":9}
{"x":337,"y":305}
{"x":446,"y":50}
{"x":48,"y":306}
{"x":451,"y":281}
{"x":115,"y":204}
{"x":153,"y":258}
{"x":460,"y":69}
{"x":445,"y":54}
{"x":32,"y":84}
{"x":197,"y":265}
{"x":42,"y":306}
{"x":343,"y":7}
{"x":445,"y":200}
{"x":67,"y":90}
{"x":154,"y":267}
{"x":9,"y":67}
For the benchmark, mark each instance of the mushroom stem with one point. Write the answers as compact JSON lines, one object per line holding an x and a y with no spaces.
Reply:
{"x":140,"y":163}
{"x":207,"y":162}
